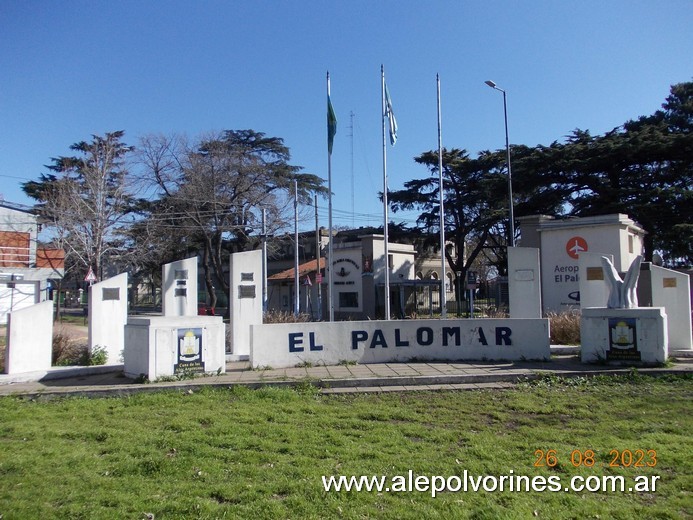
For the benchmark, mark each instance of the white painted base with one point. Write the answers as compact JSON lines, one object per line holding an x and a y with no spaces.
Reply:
{"x":157,"y":346}
{"x":624,"y":336}
{"x":291,"y":344}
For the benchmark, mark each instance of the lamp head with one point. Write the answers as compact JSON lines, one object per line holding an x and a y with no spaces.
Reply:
{"x":490,"y":83}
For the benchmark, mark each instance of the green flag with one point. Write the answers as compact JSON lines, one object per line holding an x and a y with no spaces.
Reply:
{"x":331,"y":125}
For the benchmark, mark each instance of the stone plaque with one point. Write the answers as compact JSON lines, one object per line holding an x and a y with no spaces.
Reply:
{"x":246,"y":291}
{"x":524,"y":275}
{"x":180,"y":274}
{"x":595,"y":273}
{"x":111,"y":293}
{"x":668,"y":282}
{"x":180,"y":292}
{"x":247,"y":277}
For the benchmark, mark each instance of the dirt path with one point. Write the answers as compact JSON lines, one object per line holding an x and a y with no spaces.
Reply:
{"x":76,"y":333}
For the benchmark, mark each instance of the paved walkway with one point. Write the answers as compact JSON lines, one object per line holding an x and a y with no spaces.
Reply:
{"x":381,"y":377}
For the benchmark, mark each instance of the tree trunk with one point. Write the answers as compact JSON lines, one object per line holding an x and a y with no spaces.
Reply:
{"x":211,"y":293}
{"x":57,"y":304}
{"x":218,"y":263}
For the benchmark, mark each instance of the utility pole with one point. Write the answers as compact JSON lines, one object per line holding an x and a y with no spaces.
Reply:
{"x":318,"y":274}
{"x":351,"y":135}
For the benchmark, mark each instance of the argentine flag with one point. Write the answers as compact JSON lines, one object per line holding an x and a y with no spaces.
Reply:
{"x":392,"y":122}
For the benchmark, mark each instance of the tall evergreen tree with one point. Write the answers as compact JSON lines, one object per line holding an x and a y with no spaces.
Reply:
{"x":644,"y":169}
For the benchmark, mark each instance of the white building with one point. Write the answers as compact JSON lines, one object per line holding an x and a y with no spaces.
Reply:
{"x":359,"y":280}
{"x":560,"y":243}
{"x":25,"y":267}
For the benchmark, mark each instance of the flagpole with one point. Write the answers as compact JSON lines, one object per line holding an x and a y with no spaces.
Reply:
{"x":264,"y":262}
{"x":297,"y":278}
{"x":443,"y":303}
{"x":385,"y":217}
{"x":328,"y":264}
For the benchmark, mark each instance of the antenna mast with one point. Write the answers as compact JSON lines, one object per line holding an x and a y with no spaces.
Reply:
{"x":351,"y":128}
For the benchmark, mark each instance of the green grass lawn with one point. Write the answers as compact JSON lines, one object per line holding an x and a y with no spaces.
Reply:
{"x":261,"y":454}
{"x":74,"y":318}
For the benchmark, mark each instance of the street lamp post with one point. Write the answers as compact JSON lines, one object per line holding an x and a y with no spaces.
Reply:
{"x":507,"y":151}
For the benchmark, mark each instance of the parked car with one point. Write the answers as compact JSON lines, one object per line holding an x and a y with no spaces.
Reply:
{"x":205,"y":310}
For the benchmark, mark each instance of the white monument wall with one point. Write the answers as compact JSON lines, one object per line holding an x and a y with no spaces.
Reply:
{"x":524,"y":281}
{"x":30,"y":334}
{"x":245,"y":298}
{"x":108,"y":314}
{"x":594,"y":291}
{"x":671,"y":290}
{"x":329,"y":343}
{"x":180,"y":288}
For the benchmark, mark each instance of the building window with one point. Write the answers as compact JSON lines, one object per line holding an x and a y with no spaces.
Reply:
{"x":630,"y":243}
{"x":348,"y":300}
{"x":391,"y":261}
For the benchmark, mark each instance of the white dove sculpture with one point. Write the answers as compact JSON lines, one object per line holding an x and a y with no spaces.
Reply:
{"x":622,"y":293}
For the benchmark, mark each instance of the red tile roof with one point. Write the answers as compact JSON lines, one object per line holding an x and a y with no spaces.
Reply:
{"x":303,"y":271}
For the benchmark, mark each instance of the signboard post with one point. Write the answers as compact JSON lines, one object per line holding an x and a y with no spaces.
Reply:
{"x":91,"y":277}
{"x":189,"y":354}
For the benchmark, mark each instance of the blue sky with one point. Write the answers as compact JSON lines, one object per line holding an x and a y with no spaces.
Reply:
{"x":70,"y":69}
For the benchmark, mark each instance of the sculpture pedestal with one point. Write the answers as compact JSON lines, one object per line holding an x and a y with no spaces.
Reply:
{"x":159,"y":346}
{"x":624,"y":336}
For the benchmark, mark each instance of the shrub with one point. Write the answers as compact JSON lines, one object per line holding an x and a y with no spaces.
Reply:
{"x":68,"y":352}
{"x":3,"y":347}
{"x":65,"y":351}
{"x":97,"y":356}
{"x":284,"y":317}
{"x":494,"y":312}
{"x":565,"y":327}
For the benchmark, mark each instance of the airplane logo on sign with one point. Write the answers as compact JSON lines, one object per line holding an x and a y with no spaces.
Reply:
{"x":575,"y":246}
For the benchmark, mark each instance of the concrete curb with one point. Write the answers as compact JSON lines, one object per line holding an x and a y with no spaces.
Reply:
{"x":345,"y":385}
{"x":56,"y":373}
